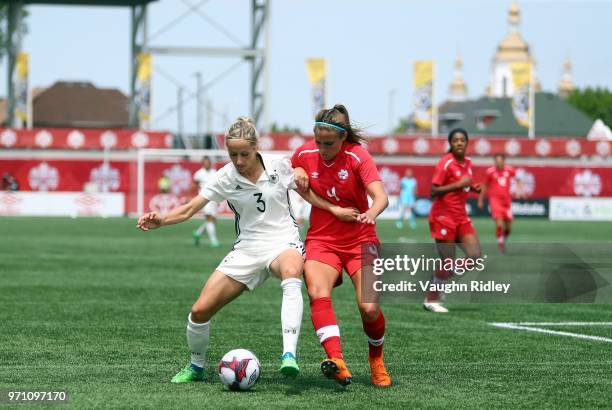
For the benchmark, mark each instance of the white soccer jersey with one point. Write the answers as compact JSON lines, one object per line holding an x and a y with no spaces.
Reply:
{"x":262,"y":210}
{"x":203,"y":177}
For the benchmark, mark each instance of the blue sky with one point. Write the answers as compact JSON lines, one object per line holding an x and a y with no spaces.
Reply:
{"x":369,"y":45}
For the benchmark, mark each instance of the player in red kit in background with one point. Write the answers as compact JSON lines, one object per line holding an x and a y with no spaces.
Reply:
{"x":497,"y":186}
{"x":337,"y":167}
{"x":448,"y":220}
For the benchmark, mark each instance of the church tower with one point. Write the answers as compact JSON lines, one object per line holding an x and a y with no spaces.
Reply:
{"x":457,"y":91}
{"x":566,"y":85}
{"x":511,"y":49}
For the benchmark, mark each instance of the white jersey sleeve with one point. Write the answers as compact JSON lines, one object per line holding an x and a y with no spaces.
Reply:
{"x":285,"y":172}
{"x":216,"y":189}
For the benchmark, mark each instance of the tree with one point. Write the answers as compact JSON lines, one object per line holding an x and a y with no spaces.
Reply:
{"x":594,"y":102}
{"x":285,"y":128}
{"x":4,"y":26}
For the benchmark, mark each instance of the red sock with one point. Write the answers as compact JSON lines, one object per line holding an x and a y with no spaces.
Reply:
{"x":375,"y":330}
{"x":439,"y":276}
{"x":432,"y":296}
{"x":326,"y":327}
{"x":506,"y":233}
{"x":499,"y":233}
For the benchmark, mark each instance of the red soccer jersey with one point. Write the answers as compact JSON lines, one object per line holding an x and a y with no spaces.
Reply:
{"x":448,"y":171}
{"x":498,"y":182}
{"x":341,"y":181}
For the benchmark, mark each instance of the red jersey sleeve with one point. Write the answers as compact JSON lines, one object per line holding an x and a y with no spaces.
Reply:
{"x":489,"y":176}
{"x":439,"y":175}
{"x":512,"y":172}
{"x":295,"y":158}
{"x":368,"y":171}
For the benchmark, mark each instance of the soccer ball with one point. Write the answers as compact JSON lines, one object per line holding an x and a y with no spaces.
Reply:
{"x":239,"y":369}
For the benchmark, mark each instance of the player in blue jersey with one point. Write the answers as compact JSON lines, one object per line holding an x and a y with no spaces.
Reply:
{"x":407,"y":200}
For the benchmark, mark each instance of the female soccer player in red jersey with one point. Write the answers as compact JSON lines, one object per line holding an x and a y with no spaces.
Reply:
{"x":448,"y":220}
{"x":497,"y":186}
{"x":339,"y":169}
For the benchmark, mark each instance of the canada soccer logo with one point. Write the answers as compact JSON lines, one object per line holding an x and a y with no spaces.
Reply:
{"x":295,"y":142}
{"x":483,"y":147}
{"x":587,"y":183}
{"x":43,"y":177}
{"x":43,"y":139}
{"x":343,"y":174}
{"x":108,"y":139}
{"x":105,"y":177}
{"x":76,"y":139}
{"x":527,"y":185}
{"x":390,"y":145}
{"x":8,"y":138}
{"x":390,"y":179}
{"x":180,"y":178}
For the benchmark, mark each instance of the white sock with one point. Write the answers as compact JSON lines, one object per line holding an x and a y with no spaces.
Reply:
{"x":197,"y":340}
{"x":291,"y":313}
{"x":200,"y":230}
{"x":212,"y":231}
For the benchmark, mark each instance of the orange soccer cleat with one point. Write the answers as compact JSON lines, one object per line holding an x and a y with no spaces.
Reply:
{"x":380,"y":377}
{"x":335,"y":368}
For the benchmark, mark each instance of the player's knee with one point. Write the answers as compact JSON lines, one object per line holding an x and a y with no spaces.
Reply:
{"x":369,"y":311}
{"x":316,"y":292}
{"x":291,"y":272}
{"x":200,"y":314}
{"x":474,"y":253}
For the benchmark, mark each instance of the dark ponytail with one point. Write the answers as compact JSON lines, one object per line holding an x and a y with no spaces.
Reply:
{"x":338,"y":116}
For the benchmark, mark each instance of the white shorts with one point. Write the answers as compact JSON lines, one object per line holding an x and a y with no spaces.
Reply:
{"x":252,"y":267}
{"x":210,"y":209}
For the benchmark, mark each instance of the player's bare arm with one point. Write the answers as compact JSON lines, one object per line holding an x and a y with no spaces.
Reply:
{"x":301,"y":179}
{"x":343,"y":214}
{"x":153,"y":220}
{"x":438,"y":190}
{"x":483,"y":190}
{"x":380,"y":201}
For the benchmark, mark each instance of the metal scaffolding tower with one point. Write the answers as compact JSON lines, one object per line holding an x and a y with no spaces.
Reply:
{"x":255,"y":53}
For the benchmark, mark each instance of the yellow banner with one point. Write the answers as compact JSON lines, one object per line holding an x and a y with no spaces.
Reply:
{"x":21,"y":86}
{"x":143,"y":98}
{"x":521,"y":80}
{"x":423,"y":93}
{"x":144,"y":66}
{"x":317,"y":70}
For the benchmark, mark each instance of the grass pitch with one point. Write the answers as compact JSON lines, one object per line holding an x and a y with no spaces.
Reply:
{"x":98,"y":308}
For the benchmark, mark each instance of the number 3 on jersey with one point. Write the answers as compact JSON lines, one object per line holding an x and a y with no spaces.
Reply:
{"x":261,"y":205}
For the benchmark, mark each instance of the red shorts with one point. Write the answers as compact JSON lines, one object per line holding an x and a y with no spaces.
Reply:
{"x":444,"y":227}
{"x":351,"y":257}
{"x":501,"y":209}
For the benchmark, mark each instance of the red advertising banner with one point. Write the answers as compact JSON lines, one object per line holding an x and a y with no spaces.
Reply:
{"x":124,"y":139}
{"x":83,"y":139}
{"x":479,"y":145}
{"x":121,"y":176}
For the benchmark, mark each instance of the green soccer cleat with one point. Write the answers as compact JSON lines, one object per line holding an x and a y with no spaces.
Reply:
{"x":196,"y":238}
{"x":214,"y":244}
{"x":289,"y":366}
{"x":188,"y":374}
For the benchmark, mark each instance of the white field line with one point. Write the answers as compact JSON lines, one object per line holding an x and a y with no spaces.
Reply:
{"x":528,"y":326}
{"x":561,"y":323}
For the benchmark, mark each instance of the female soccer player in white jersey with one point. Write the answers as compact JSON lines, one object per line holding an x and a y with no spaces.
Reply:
{"x":201,"y":178}
{"x":257,"y":190}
